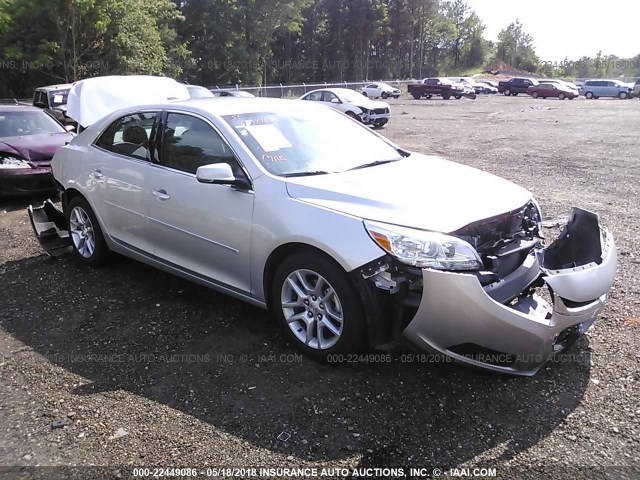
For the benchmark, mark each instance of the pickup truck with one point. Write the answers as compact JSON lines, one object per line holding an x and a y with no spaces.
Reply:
{"x":515,"y":86}
{"x":53,"y":99}
{"x":440,"y":87}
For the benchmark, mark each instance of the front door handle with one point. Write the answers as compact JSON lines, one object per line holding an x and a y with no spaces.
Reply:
{"x":96,"y":174}
{"x":161,"y":195}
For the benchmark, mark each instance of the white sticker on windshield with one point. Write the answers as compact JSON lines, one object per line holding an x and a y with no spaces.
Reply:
{"x":269,"y":137}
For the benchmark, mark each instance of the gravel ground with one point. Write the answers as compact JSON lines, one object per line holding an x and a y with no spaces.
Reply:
{"x":148,"y":369}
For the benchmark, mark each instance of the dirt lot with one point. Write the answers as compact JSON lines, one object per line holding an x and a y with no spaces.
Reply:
{"x":195,"y":378}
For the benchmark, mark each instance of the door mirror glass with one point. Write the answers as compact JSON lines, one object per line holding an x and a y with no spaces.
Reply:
{"x":218,"y":173}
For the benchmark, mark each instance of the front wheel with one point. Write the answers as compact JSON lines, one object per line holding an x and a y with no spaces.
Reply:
{"x":589,"y":95}
{"x":623,"y":95}
{"x":365,"y":94}
{"x":507,"y":93}
{"x":561,"y":96}
{"x":385,"y":95}
{"x":318,"y":306}
{"x":85,"y":232}
{"x":535,"y":94}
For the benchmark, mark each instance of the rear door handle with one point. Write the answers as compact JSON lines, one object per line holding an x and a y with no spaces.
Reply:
{"x":96,"y":174}
{"x":161,"y":195}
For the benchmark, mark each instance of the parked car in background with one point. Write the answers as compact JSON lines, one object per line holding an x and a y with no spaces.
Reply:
{"x":515,"y":86}
{"x":231,"y":93}
{"x":295,"y":208}
{"x":636,"y":89}
{"x":380,"y":90}
{"x":490,"y":83}
{"x":53,"y":99}
{"x":196,"y":91}
{"x":548,"y":90}
{"x":473,"y":85}
{"x":572,"y":86}
{"x":606,"y":88}
{"x":350,"y":102}
{"x":439,"y":86}
{"x":29,"y":137}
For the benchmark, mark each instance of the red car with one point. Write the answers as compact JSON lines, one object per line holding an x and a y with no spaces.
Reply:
{"x":29,"y":137}
{"x":555,"y":90}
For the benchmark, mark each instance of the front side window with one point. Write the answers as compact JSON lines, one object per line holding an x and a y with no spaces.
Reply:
{"x":129,"y":135}
{"x":314,"y":140}
{"x":314,"y":97}
{"x":190,"y":142}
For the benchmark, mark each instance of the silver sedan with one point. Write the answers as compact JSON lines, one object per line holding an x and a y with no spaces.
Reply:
{"x":349,"y":239}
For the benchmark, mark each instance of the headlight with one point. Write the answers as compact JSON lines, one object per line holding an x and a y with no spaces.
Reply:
{"x":13,"y":162}
{"x":424,"y":249}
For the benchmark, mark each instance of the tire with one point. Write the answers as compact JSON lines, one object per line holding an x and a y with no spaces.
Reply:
{"x":535,"y":94}
{"x":86,"y":234}
{"x":458,"y":97}
{"x":380,"y":123}
{"x":507,"y":93}
{"x":446,"y":96}
{"x":317,"y":306}
{"x":365,"y":94}
{"x":623,"y":95}
{"x":385,"y":95}
{"x":589,"y":95}
{"x":429,"y":97}
{"x":515,"y":94}
{"x":561,"y":96}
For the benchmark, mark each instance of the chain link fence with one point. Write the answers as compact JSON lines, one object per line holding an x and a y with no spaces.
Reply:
{"x":296,"y":91}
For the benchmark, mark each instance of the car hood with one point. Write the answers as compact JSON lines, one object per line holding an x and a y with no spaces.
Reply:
{"x":35,"y":148}
{"x":369,"y":104}
{"x":422,"y":192}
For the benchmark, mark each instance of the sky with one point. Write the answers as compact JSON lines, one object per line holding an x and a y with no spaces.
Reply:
{"x":567,"y":28}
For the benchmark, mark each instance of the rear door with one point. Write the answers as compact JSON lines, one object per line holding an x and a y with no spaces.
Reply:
{"x":118,"y":171}
{"x":204,"y":229}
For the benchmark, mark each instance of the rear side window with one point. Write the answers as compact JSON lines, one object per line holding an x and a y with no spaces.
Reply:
{"x":129,"y":135}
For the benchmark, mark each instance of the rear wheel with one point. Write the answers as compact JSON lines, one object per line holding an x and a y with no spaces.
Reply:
{"x":317,"y":306}
{"x":86,"y":235}
{"x":589,"y":95}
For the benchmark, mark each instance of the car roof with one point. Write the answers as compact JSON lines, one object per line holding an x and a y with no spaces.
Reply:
{"x":333,"y":90}
{"x":18,"y":108}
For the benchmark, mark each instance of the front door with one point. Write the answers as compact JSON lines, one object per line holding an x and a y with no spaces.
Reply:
{"x":202,"y":228}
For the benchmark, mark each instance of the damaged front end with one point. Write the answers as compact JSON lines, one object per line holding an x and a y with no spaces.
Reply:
{"x":527,"y":303}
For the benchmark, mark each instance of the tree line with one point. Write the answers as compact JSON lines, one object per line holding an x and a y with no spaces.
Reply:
{"x":258,"y":42}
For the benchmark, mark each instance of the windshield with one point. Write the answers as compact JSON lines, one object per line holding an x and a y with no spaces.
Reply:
{"x":309,"y":142}
{"x":16,"y":124}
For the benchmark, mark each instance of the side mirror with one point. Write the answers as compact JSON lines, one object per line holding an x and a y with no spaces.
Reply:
{"x":218,"y":173}
{"x":335,"y":100}
{"x":70,"y":128}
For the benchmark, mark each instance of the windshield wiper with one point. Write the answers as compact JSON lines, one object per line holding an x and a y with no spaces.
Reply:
{"x":306,"y":174}
{"x":374,"y":164}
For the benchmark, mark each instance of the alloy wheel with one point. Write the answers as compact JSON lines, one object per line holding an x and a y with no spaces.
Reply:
{"x":82,"y":233}
{"x":312,"y":309}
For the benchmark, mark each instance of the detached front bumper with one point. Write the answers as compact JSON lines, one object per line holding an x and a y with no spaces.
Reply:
{"x":460,"y":318}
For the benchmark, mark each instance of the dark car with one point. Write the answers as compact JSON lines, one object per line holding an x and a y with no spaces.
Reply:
{"x":232,"y":93}
{"x":516,"y":85}
{"x":53,"y":99}
{"x":29,"y":137}
{"x":553,"y":90}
